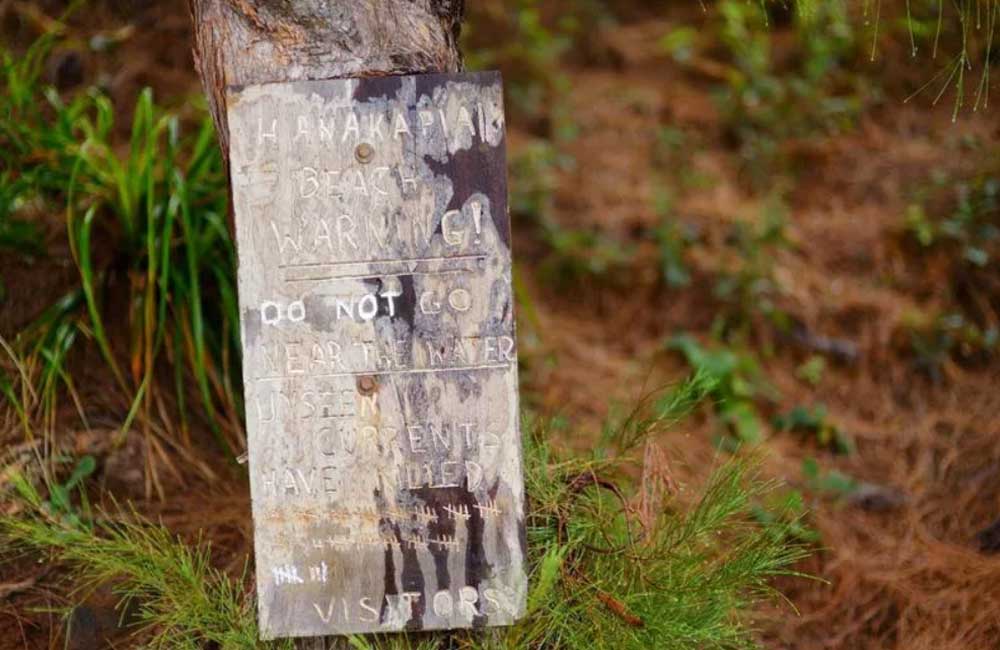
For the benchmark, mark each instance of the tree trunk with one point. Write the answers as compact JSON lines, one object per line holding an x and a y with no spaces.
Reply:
{"x":242,"y":42}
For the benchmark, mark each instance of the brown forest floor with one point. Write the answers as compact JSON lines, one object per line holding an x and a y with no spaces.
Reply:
{"x":906,"y":574}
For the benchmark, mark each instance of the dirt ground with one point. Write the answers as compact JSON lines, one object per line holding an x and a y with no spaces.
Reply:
{"x":899,"y":567}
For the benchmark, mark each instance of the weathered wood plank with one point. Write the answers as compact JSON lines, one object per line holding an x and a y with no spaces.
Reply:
{"x":380,"y":364}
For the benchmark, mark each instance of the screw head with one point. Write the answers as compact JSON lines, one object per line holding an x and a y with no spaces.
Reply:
{"x":364,"y":153}
{"x":367,"y":384}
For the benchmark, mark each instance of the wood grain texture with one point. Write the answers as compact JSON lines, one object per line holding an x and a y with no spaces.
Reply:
{"x":242,"y":42}
{"x":380,"y":364}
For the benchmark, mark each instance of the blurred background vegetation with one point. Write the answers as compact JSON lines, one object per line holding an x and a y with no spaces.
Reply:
{"x":785,"y":213}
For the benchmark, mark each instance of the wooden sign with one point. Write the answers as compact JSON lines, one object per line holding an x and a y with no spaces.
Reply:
{"x":380,"y":364}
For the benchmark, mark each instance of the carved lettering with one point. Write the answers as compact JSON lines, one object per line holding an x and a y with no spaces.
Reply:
{"x":379,"y":354}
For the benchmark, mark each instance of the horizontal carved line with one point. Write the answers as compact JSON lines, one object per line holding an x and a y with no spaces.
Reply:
{"x":408,"y":371}
{"x":386,"y":261}
{"x":362,"y":276}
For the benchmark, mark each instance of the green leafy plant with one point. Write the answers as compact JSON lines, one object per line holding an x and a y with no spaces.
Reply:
{"x":672,"y":241}
{"x":766,"y":105}
{"x":680,"y":43}
{"x":737,"y":381}
{"x":673,"y":177}
{"x":531,"y":55}
{"x":59,"y":505}
{"x":785,"y":513}
{"x":954,"y":228}
{"x":812,"y":369}
{"x":828,"y":481}
{"x":571,"y":254}
{"x":956,"y":37}
{"x":972,"y":228}
{"x":816,"y":422}
{"x":534,"y":173}
{"x":577,"y":254}
{"x":746,"y":282}
{"x":938,"y":340}
{"x":60,"y":501}
{"x":671,"y":160}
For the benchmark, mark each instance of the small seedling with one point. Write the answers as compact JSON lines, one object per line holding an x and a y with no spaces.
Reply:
{"x":827,"y":481}
{"x":672,"y":239}
{"x":59,"y":505}
{"x":746,"y":282}
{"x":576,"y":254}
{"x":972,"y":227}
{"x":936,"y":342}
{"x":765,"y":106}
{"x":737,"y":381}
{"x":535,"y":49}
{"x":815,"y":421}
{"x":812,"y":370}
{"x":964,"y":246}
{"x":785,"y":513}
{"x":680,"y":43}
{"x":59,"y":493}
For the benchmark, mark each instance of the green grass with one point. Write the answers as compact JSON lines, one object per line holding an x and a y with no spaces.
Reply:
{"x":180,"y":600}
{"x":616,"y":559}
{"x":146,"y":223}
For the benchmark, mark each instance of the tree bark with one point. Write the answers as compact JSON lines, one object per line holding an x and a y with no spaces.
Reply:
{"x":242,"y":42}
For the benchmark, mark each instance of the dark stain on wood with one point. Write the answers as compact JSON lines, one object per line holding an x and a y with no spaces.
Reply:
{"x":377,"y":87}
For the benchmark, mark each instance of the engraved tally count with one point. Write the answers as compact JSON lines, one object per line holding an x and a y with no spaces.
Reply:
{"x":380,"y":364}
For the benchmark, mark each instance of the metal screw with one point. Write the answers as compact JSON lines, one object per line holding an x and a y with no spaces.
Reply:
{"x":364,"y":152}
{"x":367,"y":385}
